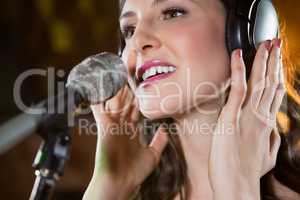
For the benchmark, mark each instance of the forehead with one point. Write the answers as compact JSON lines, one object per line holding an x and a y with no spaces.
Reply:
{"x":126,"y":5}
{"x":142,"y":2}
{"x":154,"y":2}
{"x":211,"y":8}
{"x":227,"y":3}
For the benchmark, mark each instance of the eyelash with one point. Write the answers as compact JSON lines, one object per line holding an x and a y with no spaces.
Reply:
{"x":166,"y":12}
{"x":173,"y":10}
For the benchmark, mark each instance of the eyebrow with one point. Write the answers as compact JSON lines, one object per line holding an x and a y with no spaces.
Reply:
{"x":131,"y":13}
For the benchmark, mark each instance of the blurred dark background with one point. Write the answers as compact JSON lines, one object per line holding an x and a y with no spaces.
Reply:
{"x":52,"y":33}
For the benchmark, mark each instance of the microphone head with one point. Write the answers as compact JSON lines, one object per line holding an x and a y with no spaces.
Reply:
{"x":98,"y":77}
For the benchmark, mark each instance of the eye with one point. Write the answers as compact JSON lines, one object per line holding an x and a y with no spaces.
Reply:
{"x":127,"y":31}
{"x":173,"y":12}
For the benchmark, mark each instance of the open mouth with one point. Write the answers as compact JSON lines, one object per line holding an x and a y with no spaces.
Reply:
{"x":154,"y":69}
{"x":157,"y":70}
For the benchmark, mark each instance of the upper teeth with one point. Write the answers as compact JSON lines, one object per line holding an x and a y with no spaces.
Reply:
{"x":158,"y":69}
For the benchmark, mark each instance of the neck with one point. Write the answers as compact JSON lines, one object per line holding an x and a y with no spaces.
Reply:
{"x":195,"y":133}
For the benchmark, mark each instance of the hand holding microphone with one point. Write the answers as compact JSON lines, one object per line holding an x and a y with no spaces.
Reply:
{"x":122,"y":161}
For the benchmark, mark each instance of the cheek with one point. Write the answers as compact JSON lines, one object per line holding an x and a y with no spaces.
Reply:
{"x":203,"y":52}
{"x":203,"y":61}
{"x":129,"y":59}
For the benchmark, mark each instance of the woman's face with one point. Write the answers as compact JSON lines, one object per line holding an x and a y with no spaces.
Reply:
{"x":189,"y":36}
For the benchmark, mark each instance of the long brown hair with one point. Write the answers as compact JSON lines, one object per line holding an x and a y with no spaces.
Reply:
{"x":170,"y":177}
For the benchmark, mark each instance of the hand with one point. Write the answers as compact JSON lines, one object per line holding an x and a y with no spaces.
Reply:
{"x":122,"y":162}
{"x":246,"y":141}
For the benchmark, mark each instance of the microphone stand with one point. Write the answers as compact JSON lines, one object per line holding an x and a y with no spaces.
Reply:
{"x":94,"y":80}
{"x":54,"y":150}
{"x":49,"y":164}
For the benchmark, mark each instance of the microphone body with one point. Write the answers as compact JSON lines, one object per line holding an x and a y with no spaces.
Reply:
{"x":93,"y":81}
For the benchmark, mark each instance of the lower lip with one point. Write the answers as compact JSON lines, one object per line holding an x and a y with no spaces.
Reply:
{"x":155,"y":78}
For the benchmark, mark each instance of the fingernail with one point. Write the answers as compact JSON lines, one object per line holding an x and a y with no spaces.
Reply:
{"x":278,"y":43}
{"x":239,"y":53}
{"x":268,"y":45}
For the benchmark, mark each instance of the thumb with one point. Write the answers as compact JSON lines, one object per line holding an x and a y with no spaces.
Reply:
{"x":155,"y":149}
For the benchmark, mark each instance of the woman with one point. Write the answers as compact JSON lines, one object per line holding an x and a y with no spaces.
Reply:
{"x":237,"y":142}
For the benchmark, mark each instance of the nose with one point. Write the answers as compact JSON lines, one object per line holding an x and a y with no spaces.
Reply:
{"x":144,"y":39}
{"x":143,"y":43}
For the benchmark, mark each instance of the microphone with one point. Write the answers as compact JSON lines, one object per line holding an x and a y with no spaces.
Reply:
{"x":94,"y":80}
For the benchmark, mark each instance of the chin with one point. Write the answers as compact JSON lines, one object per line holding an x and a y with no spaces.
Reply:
{"x":163,"y":108}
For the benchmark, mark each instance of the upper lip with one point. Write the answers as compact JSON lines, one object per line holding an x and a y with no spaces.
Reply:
{"x":148,"y":64}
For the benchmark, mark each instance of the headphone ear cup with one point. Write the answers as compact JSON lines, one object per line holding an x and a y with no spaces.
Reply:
{"x":247,"y":34}
{"x":264,"y":23}
{"x":237,"y":38}
{"x":232,"y":34}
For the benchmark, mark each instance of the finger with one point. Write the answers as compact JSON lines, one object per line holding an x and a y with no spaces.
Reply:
{"x":256,"y":82}
{"x":135,"y":114}
{"x":115,"y":107}
{"x":98,"y":110}
{"x":271,"y":150}
{"x":120,"y":103}
{"x":272,"y":78}
{"x":154,"y":151}
{"x":101,"y":119}
{"x":127,"y":103}
{"x":280,"y":92}
{"x":275,"y":142}
{"x":279,"y":95}
{"x":238,"y":84}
